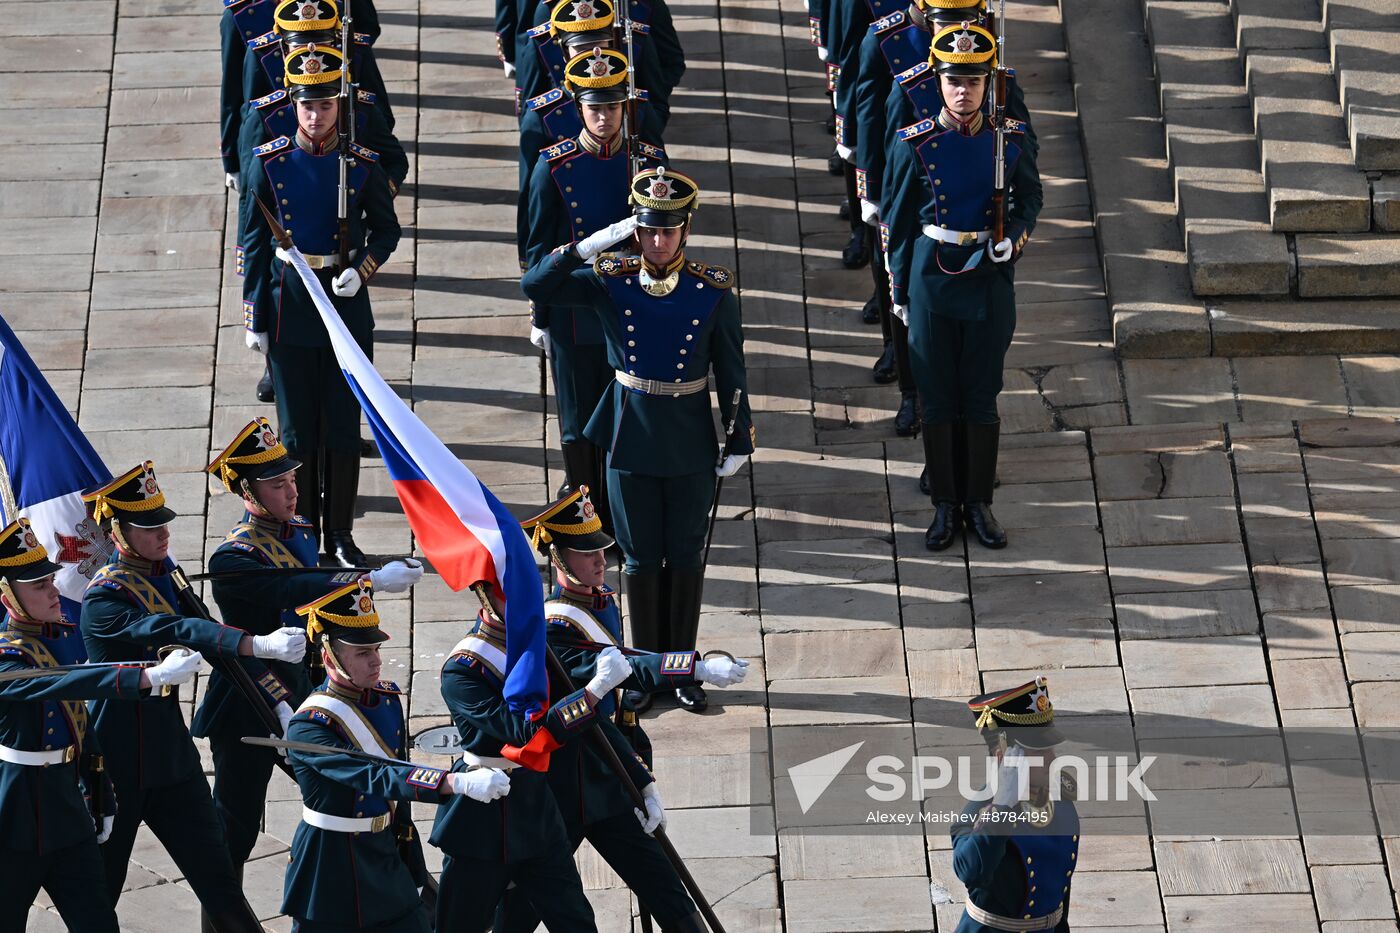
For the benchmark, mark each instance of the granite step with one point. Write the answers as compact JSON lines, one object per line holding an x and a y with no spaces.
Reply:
{"x":1363,"y":41}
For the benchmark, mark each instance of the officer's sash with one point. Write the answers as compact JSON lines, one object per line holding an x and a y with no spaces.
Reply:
{"x":265,"y":543}
{"x":491,"y":656}
{"x":38,"y":655}
{"x":352,"y":722}
{"x":140,"y":589}
{"x":579,"y":619}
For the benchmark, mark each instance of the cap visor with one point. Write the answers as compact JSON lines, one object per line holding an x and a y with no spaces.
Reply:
{"x":1047,"y":736}
{"x":155,"y":518}
{"x":593,"y":541}
{"x":38,"y":570}
{"x":279,"y":467}
{"x":661,"y":220}
{"x":360,"y":636}
{"x":601,"y":95}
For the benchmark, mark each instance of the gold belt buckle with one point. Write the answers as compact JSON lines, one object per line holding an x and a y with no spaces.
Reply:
{"x":966,"y":238}
{"x":380,"y":822}
{"x":315,"y":262}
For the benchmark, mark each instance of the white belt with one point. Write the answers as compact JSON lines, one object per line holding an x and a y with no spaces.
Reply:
{"x":956,"y":237}
{"x":316,"y":260}
{"x":486,"y":761}
{"x":657,"y":387}
{"x":996,"y":921}
{"x":346,"y":824}
{"x":58,"y":756}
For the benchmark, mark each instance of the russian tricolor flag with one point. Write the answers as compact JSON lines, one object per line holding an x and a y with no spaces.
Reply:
{"x":462,"y":528}
{"x":45,"y":464}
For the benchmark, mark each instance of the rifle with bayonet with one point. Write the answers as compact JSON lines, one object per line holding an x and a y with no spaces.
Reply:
{"x":998,"y":108}
{"x":629,"y":109}
{"x":347,"y":128}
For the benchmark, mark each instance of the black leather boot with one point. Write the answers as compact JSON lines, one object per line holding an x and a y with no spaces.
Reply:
{"x":342,"y":489}
{"x":938,"y":455}
{"x":266,"y":393}
{"x":686,"y":590}
{"x":598,"y":489}
{"x":834,"y":163}
{"x":906,"y":420}
{"x":580,"y":465}
{"x":857,"y":252}
{"x":883,"y":371}
{"x":982,"y":443}
{"x":870,"y":311}
{"x":923,"y":481}
{"x":644,"y":619}
{"x":309,"y":491}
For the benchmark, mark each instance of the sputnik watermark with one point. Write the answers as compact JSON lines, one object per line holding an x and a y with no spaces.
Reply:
{"x":1106,"y":778}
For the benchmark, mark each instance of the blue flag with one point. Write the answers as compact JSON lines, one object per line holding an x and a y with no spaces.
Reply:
{"x":45,"y":463}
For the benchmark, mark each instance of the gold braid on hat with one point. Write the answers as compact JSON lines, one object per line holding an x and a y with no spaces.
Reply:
{"x":991,"y":716}
{"x":316,"y":619}
{"x":230,"y":475}
{"x":102,"y":508}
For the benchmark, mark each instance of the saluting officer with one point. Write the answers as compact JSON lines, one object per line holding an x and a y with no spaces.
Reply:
{"x":578,"y":186}
{"x":133,"y":607}
{"x":582,"y":609}
{"x":1016,"y":853}
{"x":668,"y":322}
{"x":356,"y":860}
{"x":520,"y":840}
{"x":298,"y":178}
{"x":956,"y":285}
{"x":49,"y":758}
{"x":252,"y":595}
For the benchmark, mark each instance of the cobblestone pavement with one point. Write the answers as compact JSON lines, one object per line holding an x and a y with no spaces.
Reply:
{"x":1211,"y":537}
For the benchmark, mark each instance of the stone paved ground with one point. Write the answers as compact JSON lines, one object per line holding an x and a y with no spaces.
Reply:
{"x":1209,"y":537}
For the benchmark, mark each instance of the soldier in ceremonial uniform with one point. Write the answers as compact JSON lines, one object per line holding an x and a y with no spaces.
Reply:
{"x":242,"y":21}
{"x":578,"y":186}
{"x":955,"y":283}
{"x":892,"y":44}
{"x":356,"y":861}
{"x":1016,"y":853}
{"x":49,"y":759}
{"x":134,"y":606}
{"x":568,"y":28}
{"x":581,"y":608}
{"x":506,"y":26}
{"x":668,"y":322}
{"x":317,"y":414}
{"x":522,"y":840}
{"x":271,"y":537}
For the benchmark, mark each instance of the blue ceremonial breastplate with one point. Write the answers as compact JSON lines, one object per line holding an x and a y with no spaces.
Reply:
{"x":660,"y":333}
{"x":562,"y":121}
{"x":551,"y":58}
{"x":254,"y":19}
{"x":641,"y":12}
{"x":305,"y":187}
{"x":906,"y":47}
{"x":962,"y":176}
{"x":386,"y":718}
{"x":879,"y":9}
{"x":593,"y":190}
{"x":924,"y":97}
{"x":1048,"y":859}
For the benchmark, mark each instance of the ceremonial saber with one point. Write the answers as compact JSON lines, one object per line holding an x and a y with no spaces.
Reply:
{"x":311,"y":748}
{"x":34,"y":672}
{"x":719,"y":480}
{"x":274,"y":572}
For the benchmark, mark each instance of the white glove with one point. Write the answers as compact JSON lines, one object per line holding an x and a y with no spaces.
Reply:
{"x":822,"y":53}
{"x":539,"y":336}
{"x":901,"y":312}
{"x":231,"y":180}
{"x":347,"y":284}
{"x":721,"y":672}
{"x":179,"y":667}
{"x":590,"y":246}
{"x":869,"y":212}
{"x":285,"y":644}
{"x":509,"y":69}
{"x":481,"y":784}
{"x":1000,"y":252}
{"x":731,"y":465}
{"x":1008,"y":778}
{"x":845,"y":152}
{"x":256,"y":340}
{"x":397,"y":575}
{"x":284,"y":715}
{"x":656,"y":813}
{"x":105,"y":832}
{"x":612,"y":670}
